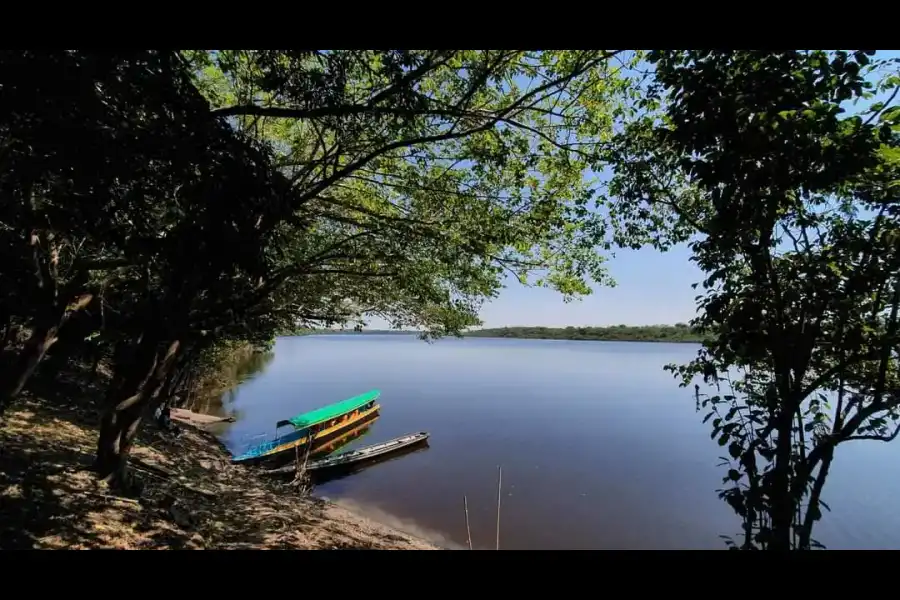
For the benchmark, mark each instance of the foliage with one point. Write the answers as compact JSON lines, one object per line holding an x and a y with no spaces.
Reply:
{"x":162,"y":207}
{"x":443,"y":170}
{"x":225,"y":365}
{"x":790,"y":206}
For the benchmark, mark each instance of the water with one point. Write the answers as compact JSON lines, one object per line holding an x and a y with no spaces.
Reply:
{"x":599,"y":447}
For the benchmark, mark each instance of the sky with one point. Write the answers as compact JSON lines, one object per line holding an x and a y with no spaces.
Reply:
{"x":652,"y":288}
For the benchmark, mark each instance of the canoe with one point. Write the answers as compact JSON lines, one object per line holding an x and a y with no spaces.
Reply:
{"x":368,"y":452}
{"x":321,"y":476}
{"x":354,"y":458}
{"x":186,"y":416}
{"x":318,"y":427}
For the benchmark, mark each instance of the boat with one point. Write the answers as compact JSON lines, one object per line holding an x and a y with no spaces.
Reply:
{"x":192,"y":418}
{"x":336,"y":472}
{"x":368,"y":452}
{"x":316,"y":427}
{"x":352,"y":459}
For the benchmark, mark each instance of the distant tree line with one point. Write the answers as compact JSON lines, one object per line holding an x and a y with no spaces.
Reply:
{"x":680,"y":332}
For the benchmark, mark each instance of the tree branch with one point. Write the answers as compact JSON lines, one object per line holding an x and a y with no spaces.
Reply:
{"x":879,"y":438}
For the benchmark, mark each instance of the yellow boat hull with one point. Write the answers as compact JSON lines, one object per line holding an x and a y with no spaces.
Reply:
{"x":333,"y":429}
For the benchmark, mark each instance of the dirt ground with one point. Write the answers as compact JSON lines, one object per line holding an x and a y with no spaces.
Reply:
{"x":190,"y":495}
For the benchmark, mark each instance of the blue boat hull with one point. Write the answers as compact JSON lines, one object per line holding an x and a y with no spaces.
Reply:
{"x":268,"y":453}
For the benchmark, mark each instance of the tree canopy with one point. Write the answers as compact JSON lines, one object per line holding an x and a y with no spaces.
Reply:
{"x":160,"y":204}
{"x":789,"y":201}
{"x":453,"y":167}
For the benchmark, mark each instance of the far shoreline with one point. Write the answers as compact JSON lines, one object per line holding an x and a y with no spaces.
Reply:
{"x":674,"y":334}
{"x":495,"y":337}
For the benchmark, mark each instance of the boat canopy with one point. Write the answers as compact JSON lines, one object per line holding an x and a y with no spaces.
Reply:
{"x":314,"y":417}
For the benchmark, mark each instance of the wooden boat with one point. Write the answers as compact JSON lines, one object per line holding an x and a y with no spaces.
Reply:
{"x":191,"y":418}
{"x":352,"y":458}
{"x":368,"y":452}
{"x":314,"y":427}
{"x":321,"y":476}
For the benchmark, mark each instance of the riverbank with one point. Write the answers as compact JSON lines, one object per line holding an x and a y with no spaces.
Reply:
{"x":190,"y":495}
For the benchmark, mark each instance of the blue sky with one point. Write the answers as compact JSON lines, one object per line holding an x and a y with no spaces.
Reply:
{"x":652,"y":288}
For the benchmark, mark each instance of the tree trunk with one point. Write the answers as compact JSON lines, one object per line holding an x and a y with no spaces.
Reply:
{"x":8,"y":330}
{"x":178,"y":374}
{"x":163,"y":396}
{"x":814,"y":507}
{"x":30,"y":356}
{"x":95,"y":365}
{"x":122,"y":399}
{"x":59,"y":358}
{"x":9,"y":335}
{"x":43,"y":335}
{"x":190,"y":397}
{"x":178,"y":386}
{"x":126,"y":405}
{"x":782,"y":499}
{"x":174,"y":377}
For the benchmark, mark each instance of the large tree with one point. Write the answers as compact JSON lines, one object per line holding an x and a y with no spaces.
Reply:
{"x":789,"y":200}
{"x":123,"y":195}
{"x":307,"y":187}
{"x":87,"y":185}
{"x":427,"y":175}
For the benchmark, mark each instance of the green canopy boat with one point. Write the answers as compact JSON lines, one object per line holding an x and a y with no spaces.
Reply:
{"x":316,"y":426}
{"x":326,"y":413}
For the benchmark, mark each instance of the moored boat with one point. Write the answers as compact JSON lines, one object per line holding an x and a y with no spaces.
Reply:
{"x":320,"y":476}
{"x":316,"y":427}
{"x":353,"y":459}
{"x":369,"y":452}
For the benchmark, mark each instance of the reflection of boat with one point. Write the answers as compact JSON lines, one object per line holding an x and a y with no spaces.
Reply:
{"x":353,"y":461}
{"x":339,"y":443}
{"x":319,"y":426}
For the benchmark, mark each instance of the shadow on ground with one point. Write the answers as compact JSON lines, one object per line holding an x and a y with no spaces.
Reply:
{"x":190,"y":495}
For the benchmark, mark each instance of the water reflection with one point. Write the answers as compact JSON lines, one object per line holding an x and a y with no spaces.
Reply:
{"x":343,"y":442}
{"x":599,"y":447}
{"x":244,"y":368}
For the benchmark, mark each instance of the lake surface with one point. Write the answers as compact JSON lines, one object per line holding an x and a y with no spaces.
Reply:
{"x":599,"y":447}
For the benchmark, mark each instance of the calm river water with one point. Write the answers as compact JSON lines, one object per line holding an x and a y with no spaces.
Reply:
{"x":598,"y":445}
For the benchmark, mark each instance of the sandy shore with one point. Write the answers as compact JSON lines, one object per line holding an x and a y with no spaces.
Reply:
{"x":190,"y":495}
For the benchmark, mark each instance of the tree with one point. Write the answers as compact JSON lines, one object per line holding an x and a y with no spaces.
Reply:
{"x":85,"y":186}
{"x":790,"y":206}
{"x":120,"y":192}
{"x":319,"y":187}
{"x":450,"y":166}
